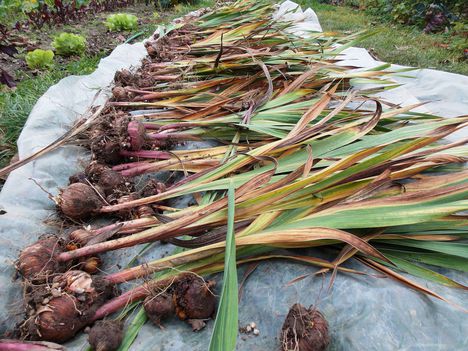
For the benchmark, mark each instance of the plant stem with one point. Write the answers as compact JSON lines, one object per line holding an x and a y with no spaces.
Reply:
{"x":129,"y":165}
{"x":161,"y":155}
{"x":157,"y":233}
{"x":167,"y":230}
{"x":127,"y":225}
{"x":16,"y":345}
{"x":172,"y":136}
{"x":121,"y":301}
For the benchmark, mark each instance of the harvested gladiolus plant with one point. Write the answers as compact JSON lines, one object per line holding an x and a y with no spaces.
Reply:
{"x":276,"y":149}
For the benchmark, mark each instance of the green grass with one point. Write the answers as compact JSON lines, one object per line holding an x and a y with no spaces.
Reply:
{"x":393,"y":43}
{"x":15,"y":105}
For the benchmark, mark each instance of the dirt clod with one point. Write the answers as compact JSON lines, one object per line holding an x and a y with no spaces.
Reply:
{"x":111,"y":181}
{"x":304,"y":330}
{"x":77,"y":178}
{"x":57,"y":311}
{"x":159,"y":307}
{"x":193,"y":298}
{"x":94,"y":171}
{"x":106,"y":335}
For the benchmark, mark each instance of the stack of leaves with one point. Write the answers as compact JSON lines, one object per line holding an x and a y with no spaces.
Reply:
{"x":297,"y":159}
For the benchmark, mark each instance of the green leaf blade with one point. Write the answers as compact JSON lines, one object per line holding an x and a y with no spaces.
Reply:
{"x":226,"y":325}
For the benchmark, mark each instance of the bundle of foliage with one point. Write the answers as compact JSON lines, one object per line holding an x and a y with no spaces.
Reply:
{"x":68,"y":44}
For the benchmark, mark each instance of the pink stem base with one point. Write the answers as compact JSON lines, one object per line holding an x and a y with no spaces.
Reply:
{"x":160,"y":155}
{"x":130,"y":165}
{"x":17,"y":345}
{"x":171,"y":136}
{"x":120,"y":302}
{"x":127,"y":226}
{"x":152,"y":126}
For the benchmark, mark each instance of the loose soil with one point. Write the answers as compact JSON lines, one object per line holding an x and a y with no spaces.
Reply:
{"x":100,"y":42}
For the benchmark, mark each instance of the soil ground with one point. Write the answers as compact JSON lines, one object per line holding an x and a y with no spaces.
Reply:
{"x":100,"y":42}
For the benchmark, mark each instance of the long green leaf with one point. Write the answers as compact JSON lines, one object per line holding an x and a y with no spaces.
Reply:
{"x":226,"y":325}
{"x":434,"y":259}
{"x":455,"y":249}
{"x":133,"y":330}
{"x":423,"y":272}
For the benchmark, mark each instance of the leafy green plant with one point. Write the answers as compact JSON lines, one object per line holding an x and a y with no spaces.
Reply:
{"x":461,"y":27}
{"x":68,"y":44}
{"x":121,"y":21}
{"x":402,"y":13}
{"x":9,"y":10}
{"x":29,"y":5}
{"x":40,"y":59}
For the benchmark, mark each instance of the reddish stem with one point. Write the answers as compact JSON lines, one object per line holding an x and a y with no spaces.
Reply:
{"x":120,"y":302}
{"x":138,"y":293}
{"x":152,"y":126}
{"x":160,"y":155}
{"x":17,"y":345}
{"x":129,"y":165}
{"x":166,"y":77}
{"x":137,"y":170}
{"x":171,"y":136}
{"x":161,"y":232}
{"x":127,"y":225}
{"x":137,"y":91}
{"x":179,"y":126}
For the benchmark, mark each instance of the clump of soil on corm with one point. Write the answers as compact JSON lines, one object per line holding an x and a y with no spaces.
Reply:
{"x":304,"y":330}
{"x":159,"y":307}
{"x":193,"y":298}
{"x":58,"y":310}
{"x":38,"y":260}
{"x":106,"y":335}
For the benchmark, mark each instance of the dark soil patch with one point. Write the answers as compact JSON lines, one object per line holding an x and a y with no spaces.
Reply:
{"x":100,"y":42}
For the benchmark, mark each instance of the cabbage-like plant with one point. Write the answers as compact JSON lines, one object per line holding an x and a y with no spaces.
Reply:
{"x":121,"y":21}
{"x":40,"y":59}
{"x":68,"y":44}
